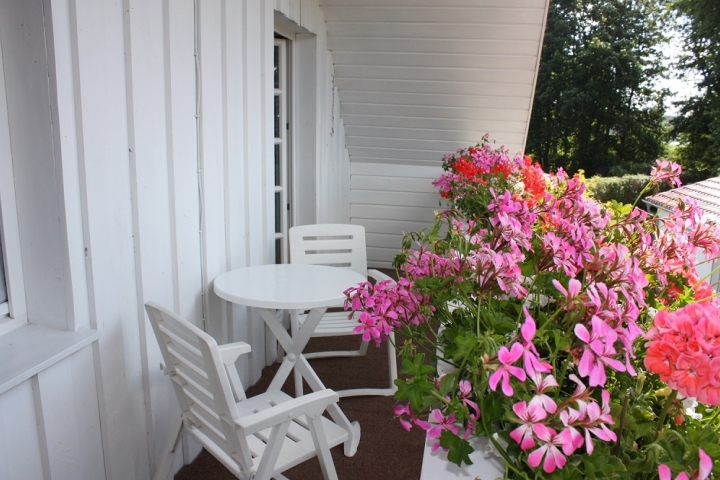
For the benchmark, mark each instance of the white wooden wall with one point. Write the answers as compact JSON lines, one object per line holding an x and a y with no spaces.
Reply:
{"x":143,"y":134}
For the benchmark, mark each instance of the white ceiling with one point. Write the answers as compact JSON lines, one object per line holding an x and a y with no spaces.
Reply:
{"x":421,"y":78}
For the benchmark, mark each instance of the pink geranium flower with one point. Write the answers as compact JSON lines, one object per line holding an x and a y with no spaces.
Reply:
{"x":554,"y":458}
{"x":438,"y":423}
{"x":506,"y":369}
{"x":529,"y":416}
{"x":666,"y":171}
{"x":703,"y":472}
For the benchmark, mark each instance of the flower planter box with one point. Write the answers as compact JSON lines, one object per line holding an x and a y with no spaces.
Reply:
{"x":486,"y":466}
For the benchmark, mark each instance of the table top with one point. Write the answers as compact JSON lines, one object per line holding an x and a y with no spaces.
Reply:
{"x":286,"y":286}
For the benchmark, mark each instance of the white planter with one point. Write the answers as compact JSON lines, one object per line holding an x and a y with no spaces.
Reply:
{"x":485,"y":466}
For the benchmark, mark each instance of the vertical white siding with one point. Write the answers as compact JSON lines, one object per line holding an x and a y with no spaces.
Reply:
{"x":165,"y":162}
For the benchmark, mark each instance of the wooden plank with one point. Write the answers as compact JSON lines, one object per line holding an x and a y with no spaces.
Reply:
{"x":256,"y":121}
{"x":20,"y":455}
{"x":413,"y":143}
{"x":384,"y":240}
{"x":358,"y":168}
{"x":401,"y":154}
{"x":515,"y":17}
{"x":472,"y":30}
{"x":101,"y":92}
{"x":393,"y":212}
{"x":445,"y":60}
{"x":497,"y":133}
{"x":395,"y":184}
{"x":183,"y":163}
{"x":432,"y":3}
{"x":63,"y":103}
{"x":383,"y":255}
{"x":413,"y":45}
{"x":67,"y":398}
{"x":370,"y":197}
{"x":436,"y":88}
{"x":436,"y":106}
{"x":150,"y":161}
{"x":388,"y":226}
{"x":440,"y":74}
{"x":212,"y":154}
{"x":364,"y":131}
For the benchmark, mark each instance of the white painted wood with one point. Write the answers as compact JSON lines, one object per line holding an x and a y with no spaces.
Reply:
{"x":418,"y":3}
{"x":441,"y":13}
{"x":152,"y":222}
{"x":101,"y":75}
{"x":20,"y":454}
{"x":29,"y":350}
{"x":38,"y":202}
{"x":435,"y":60}
{"x":393,"y":212}
{"x":67,"y":399}
{"x":398,"y":184}
{"x":440,"y":106}
{"x":431,"y":173}
{"x":68,"y":174}
{"x":476,"y":75}
{"x":13,"y":284}
{"x":471,"y":30}
{"x":305,"y":122}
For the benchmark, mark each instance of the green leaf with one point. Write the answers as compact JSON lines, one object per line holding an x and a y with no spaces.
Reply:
{"x":460,"y":449}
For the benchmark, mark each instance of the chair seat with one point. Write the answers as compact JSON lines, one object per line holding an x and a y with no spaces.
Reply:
{"x":298,"y":445}
{"x":332,"y":324}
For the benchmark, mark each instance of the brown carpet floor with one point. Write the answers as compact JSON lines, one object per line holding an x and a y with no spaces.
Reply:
{"x":386,"y":450}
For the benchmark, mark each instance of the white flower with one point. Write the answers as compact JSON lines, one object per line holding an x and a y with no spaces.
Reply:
{"x":690,"y":403}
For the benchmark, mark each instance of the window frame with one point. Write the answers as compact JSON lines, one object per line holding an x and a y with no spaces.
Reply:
{"x":14,"y":315}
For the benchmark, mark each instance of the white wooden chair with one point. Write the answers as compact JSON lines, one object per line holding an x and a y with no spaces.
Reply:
{"x":256,"y":438}
{"x":338,"y":245}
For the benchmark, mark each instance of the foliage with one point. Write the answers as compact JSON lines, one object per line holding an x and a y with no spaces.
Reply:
{"x":621,"y":189}
{"x":532,"y":305}
{"x":697,"y":127}
{"x":595,"y":102}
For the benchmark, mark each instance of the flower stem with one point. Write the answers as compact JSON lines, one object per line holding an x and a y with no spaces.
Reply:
{"x":666,"y":407}
{"x":618,"y":444}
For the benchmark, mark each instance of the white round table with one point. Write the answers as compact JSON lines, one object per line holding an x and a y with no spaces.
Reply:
{"x":293,"y":287}
{"x":286,"y":286}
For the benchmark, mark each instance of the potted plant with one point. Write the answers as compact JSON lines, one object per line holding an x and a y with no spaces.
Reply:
{"x":580,"y":340}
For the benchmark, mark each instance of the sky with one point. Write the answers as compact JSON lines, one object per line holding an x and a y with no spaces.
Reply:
{"x":680,"y":89}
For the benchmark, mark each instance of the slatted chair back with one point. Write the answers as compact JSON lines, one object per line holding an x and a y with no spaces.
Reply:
{"x":202,"y":386}
{"x":334,"y":245}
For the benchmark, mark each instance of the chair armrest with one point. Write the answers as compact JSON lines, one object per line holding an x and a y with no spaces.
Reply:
{"x":312,"y":404}
{"x":231,"y":351}
{"x":378,"y":276}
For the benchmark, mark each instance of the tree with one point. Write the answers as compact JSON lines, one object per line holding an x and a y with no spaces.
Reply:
{"x":698,"y":125}
{"x":596,"y":107}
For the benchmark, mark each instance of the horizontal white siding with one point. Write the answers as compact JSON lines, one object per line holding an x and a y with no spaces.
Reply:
{"x":441,"y":65}
{"x":389,"y":201}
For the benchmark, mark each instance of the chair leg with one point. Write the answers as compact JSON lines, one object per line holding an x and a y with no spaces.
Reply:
{"x":392,"y":362}
{"x":163,"y":469}
{"x":294,"y":328}
{"x":321,"y":448}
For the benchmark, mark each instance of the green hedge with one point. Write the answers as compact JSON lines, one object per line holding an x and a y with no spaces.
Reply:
{"x":623,"y":189}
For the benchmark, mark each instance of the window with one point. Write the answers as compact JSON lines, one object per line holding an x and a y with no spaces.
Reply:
{"x":281,"y":125}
